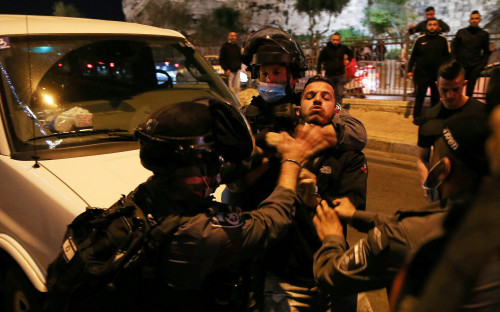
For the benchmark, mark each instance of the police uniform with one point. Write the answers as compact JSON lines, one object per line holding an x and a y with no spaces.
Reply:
{"x":211,"y":245}
{"x":374,"y":261}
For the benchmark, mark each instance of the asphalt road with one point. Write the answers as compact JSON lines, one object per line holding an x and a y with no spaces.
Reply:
{"x":390,"y":188}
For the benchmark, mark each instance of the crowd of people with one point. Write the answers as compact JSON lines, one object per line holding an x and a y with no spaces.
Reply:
{"x":296,"y":178}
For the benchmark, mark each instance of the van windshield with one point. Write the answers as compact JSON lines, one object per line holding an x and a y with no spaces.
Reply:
{"x":66,"y":91}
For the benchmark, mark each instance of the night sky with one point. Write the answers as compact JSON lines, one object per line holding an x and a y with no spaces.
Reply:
{"x":101,"y":9}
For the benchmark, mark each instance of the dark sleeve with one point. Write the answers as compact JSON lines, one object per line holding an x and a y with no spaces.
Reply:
{"x":455,"y":43}
{"x":351,"y":134}
{"x":364,"y":221}
{"x":444,"y":27}
{"x":268,"y":223}
{"x":446,"y":50}
{"x":354,"y":179}
{"x":320,"y":61}
{"x":348,"y":51}
{"x":411,"y":63}
{"x":421,"y":27}
{"x":424,"y":141}
{"x":222,"y":57}
{"x":363,"y":267}
{"x":486,"y":49}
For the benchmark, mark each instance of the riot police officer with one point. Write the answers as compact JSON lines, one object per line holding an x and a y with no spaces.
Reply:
{"x":184,"y":145}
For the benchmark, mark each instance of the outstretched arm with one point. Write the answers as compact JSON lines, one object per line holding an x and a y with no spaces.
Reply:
{"x":357,"y":269}
{"x":350,"y":133}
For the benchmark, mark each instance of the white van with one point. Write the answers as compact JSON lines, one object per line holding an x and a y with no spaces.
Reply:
{"x":72,"y":91}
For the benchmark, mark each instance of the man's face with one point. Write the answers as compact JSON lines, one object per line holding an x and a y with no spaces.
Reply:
{"x":335,"y":40}
{"x":232,"y":37}
{"x":493,"y":143}
{"x":201,"y":186}
{"x":317,"y":105}
{"x":432,"y":26}
{"x":474,"y":20}
{"x":429,"y":14}
{"x":451,"y":91}
{"x":273,"y":73}
{"x":195,"y":181}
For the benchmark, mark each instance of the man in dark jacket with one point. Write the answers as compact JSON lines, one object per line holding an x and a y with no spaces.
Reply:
{"x":470,"y":47}
{"x":337,"y":174}
{"x":276,"y":59}
{"x":429,"y":51}
{"x":422,"y":26}
{"x":334,"y":57}
{"x":230,"y":61}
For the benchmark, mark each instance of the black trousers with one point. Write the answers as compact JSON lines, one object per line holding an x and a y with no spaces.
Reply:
{"x":421,"y":85}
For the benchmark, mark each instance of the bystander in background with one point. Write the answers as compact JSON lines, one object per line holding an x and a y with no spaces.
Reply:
{"x":471,"y":48}
{"x":230,"y":61}
{"x":334,"y":57}
{"x":422,"y":26}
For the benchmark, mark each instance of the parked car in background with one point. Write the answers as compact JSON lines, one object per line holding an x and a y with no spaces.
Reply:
{"x":72,"y":91}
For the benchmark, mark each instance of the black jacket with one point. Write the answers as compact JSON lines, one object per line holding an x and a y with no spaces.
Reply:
{"x":471,"y":47}
{"x":230,"y":57}
{"x":429,"y":52}
{"x":339,"y":174}
{"x":332,"y":57}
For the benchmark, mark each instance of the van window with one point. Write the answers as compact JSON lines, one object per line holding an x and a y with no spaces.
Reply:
{"x":73,"y":91}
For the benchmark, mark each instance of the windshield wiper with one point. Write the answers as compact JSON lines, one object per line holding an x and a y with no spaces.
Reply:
{"x":110,"y":132}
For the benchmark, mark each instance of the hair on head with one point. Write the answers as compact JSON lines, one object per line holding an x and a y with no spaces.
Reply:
{"x":451,"y":70}
{"x":317,"y":78}
{"x":431,"y":8}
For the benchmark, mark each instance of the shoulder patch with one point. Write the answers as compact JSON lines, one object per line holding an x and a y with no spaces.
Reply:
{"x":354,"y":259}
{"x":227,"y":220}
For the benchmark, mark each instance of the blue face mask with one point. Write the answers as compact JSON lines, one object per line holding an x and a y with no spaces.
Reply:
{"x":272,"y":92}
{"x":432,"y":182}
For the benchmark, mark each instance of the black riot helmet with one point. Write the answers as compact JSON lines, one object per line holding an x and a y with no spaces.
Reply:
{"x":272,"y":45}
{"x":203,"y":132}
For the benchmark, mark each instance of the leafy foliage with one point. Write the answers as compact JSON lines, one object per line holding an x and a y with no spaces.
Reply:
{"x":215,"y":26}
{"x":227,"y":18}
{"x":169,"y":15}
{"x":393,"y":54}
{"x":351,"y":34}
{"x":69,"y":10}
{"x":313,"y":9}
{"x":386,"y":16}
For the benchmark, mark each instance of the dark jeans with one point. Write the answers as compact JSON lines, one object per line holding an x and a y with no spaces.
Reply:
{"x":338,"y":82}
{"x":421,"y":85}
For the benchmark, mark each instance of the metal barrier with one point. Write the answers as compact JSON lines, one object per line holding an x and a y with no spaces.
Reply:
{"x":374,"y":73}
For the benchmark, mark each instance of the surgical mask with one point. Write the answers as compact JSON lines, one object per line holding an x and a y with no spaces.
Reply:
{"x":432,"y":182}
{"x":272,"y":92}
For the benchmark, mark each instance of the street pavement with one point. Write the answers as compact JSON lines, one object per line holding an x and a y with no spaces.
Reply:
{"x":389,"y":125}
